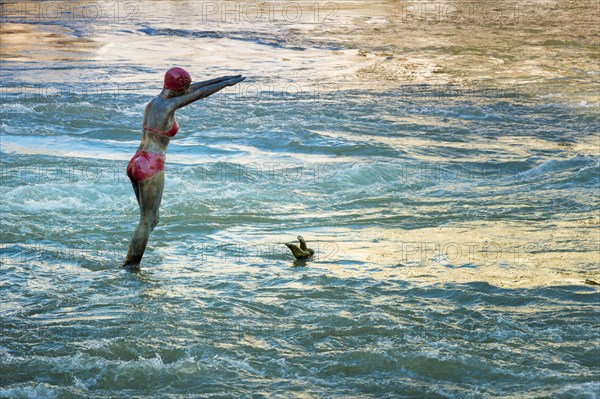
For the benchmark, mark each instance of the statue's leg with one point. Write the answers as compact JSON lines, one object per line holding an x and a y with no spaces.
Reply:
{"x":149,"y":195}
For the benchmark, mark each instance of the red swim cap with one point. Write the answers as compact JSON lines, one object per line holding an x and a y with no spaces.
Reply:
{"x":177,"y":78}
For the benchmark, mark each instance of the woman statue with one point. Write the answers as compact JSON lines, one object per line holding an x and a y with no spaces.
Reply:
{"x":145,"y":169}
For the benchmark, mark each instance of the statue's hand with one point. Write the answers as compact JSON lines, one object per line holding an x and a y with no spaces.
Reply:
{"x":235,"y":80}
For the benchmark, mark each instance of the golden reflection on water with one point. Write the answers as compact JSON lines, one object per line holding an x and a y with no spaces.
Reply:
{"x":500,"y":253}
{"x":384,"y":42}
{"x":26,"y":42}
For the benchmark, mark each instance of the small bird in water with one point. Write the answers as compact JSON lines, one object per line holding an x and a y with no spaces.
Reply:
{"x":301,"y":252}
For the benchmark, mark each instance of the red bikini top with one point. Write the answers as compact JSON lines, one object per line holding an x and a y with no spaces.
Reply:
{"x":171,"y":132}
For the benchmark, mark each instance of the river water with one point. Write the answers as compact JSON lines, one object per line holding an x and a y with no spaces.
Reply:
{"x":441,"y":158}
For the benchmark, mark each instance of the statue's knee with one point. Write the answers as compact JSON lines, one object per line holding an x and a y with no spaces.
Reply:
{"x":154,"y":222}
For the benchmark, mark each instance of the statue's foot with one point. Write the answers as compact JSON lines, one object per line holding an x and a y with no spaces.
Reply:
{"x":297,"y":251}
{"x":302,"y":243}
{"x":132,"y":267}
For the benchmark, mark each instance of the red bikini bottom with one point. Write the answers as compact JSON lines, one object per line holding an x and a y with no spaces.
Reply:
{"x":145,"y":164}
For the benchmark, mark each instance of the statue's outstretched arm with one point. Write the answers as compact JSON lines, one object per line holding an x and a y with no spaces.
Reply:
{"x":198,"y":85}
{"x":185,"y":99}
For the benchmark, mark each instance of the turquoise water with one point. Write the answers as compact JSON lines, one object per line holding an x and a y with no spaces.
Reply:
{"x":446,"y":175}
